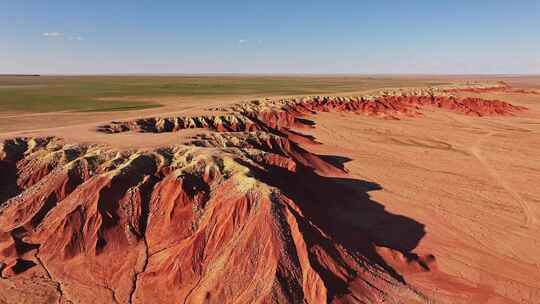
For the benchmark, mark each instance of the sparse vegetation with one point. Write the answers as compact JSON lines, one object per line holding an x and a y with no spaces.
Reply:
{"x":97,"y":93}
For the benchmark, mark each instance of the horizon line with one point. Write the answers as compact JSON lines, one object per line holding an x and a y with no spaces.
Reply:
{"x":267,"y":74}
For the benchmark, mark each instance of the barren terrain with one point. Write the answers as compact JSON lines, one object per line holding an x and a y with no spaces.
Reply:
{"x":471,"y":182}
{"x":409,"y":193}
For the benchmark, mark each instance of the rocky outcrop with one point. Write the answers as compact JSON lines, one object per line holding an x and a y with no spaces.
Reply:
{"x":221,"y":123}
{"x":278,"y":114}
{"x":205,"y":222}
{"x":500,"y":86}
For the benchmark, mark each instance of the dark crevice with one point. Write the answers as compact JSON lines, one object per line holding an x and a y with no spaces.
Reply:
{"x":138,"y":273}
{"x":146,"y":193}
{"x":110,"y":196}
{"x":22,"y":265}
{"x":8,"y":181}
{"x":13,"y":152}
{"x":21,"y":247}
{"x":61,"y":296}
{"x":288,"y":280}
{"x":74,"y":179}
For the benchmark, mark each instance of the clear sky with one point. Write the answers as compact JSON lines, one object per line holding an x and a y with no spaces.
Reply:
{"x":294,"y":36}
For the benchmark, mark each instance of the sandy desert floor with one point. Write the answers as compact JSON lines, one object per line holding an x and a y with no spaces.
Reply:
{"x":472,"y":182}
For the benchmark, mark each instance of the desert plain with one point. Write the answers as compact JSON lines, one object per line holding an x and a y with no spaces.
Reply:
{"x":270,"y":189}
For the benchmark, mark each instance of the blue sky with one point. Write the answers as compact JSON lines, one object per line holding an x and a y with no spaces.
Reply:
{"x":270,"y":36}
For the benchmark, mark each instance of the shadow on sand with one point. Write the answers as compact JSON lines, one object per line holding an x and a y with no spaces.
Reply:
{"x":343,"y":209}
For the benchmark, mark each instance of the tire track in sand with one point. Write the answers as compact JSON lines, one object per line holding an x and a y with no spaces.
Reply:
{"x":476,"y":151}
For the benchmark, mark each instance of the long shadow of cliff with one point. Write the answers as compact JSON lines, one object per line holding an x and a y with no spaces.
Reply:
{"x":13,"y":151}
{"x":8,"y":181}
{"x":343,"y":209}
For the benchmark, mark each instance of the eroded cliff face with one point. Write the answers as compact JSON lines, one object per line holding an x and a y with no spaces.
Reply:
{"x":192,"y":223}
{"x":268,"y":115}
{"x":242,"y":214}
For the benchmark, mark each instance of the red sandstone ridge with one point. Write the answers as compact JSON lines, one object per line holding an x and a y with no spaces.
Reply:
{"x":89,"y":224}
{"x":268,"y":115}
{"x":240,"y":215}
{"x":501,"y":86}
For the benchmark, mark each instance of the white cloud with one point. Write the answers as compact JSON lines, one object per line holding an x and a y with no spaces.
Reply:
{"x":53,"y":34}
{"x":76,"y":38}
{"x":246,"y":42}
{"x":62,"y":36}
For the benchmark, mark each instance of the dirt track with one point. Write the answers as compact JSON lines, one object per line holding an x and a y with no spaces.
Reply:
{"x":528,"y":213}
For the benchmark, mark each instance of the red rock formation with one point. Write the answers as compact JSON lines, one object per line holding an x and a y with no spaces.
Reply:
{"x":499,"y":87}
{"x":186,"y":223}
{"x":241,"y":215}
{"x":288,"y":113}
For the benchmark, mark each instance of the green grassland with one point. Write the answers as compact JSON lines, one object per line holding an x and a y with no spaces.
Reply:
{"x":85,"y":93}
